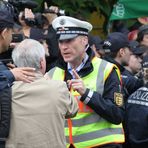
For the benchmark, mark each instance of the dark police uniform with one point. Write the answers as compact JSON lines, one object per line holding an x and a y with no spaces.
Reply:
{"x":131,"y":82}
{"x":127,"y":83}
{"x":6,"y":79}
{"x":137,"y":118}
{"x":122,"y":69}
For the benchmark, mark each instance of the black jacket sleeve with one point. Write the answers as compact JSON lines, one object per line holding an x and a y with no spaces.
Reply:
{"x":106,"y":105}
{"x":7,"y":76}
{"x":132,"y":84}
{"x":5,"y":113}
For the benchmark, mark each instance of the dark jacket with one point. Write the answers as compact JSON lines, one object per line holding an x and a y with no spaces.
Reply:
{"x":129,"y":85}
{"x":53,"y":48}
{"x":131,"y":82}
{"x":137,"y":118}
{"x":6,"y":74}
{"x":122,"y":69}
{"x":6,"y":79}
{"x":104,"y":105}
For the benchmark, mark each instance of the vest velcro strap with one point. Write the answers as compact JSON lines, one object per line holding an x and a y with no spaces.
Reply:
{"x":89,"y":96}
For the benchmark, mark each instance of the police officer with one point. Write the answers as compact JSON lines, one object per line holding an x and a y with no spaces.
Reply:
{"x":8,"y":76}
{"x":137,"y":114}
{"x":132,"y":82}
{"x":94,"y":82}
{"x":117,"y":51}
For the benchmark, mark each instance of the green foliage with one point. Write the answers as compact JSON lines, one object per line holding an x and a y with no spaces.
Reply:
{"x":74,"y":7}
{"x":84,"y":8}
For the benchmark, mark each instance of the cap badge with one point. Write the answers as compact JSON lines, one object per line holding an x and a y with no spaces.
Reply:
{"x":62,"y":21}
{"x":108,"y":43}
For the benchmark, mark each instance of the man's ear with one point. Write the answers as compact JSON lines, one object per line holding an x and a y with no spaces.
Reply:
{"x":41,"y":63}
{"x":121,"y":51}
{"x":85,"y":40}
{"x":4,"y":33}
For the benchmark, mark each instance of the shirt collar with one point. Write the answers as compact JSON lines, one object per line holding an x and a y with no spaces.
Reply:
{"x":79,"y":67}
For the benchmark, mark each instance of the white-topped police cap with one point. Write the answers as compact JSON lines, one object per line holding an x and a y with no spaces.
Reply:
{"x":68,"y":27}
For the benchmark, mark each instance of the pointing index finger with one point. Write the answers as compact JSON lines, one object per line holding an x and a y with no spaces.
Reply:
{"x":76,"y":74}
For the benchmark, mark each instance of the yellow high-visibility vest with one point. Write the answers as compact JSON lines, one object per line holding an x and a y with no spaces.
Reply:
{"x":88,"y":129}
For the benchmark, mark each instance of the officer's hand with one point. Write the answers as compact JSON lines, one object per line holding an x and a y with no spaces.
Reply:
{"x":77,"y":83}
{"x":25,"y":74}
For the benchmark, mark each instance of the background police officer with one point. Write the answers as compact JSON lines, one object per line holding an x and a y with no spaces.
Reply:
{"x":137,"y":114}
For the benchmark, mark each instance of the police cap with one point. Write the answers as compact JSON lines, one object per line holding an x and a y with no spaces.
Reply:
{"x":6,"y":15}
{"x":69,"y":27}
{"x":135,"y":48}
{"x":115,"y":41}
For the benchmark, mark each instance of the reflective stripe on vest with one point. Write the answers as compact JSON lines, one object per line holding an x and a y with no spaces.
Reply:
{"x":88,"y":129}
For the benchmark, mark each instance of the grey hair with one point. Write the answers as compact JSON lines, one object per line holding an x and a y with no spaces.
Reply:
{"x":28,"y":54}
